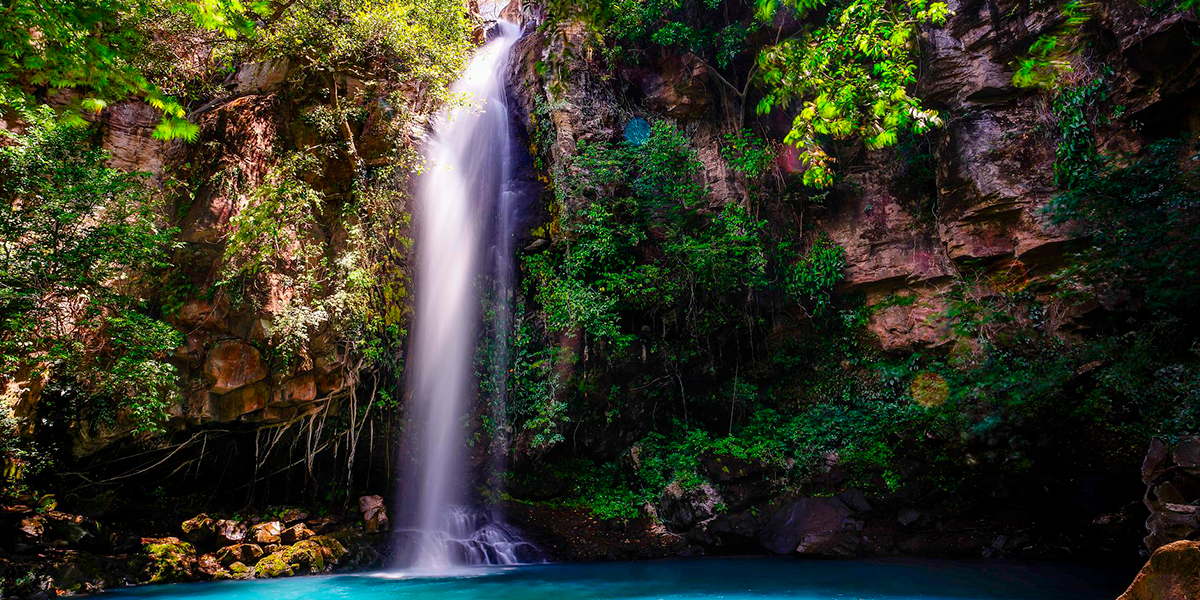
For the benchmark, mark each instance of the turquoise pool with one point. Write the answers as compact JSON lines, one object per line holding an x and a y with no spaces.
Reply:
{"x":730,"y":579}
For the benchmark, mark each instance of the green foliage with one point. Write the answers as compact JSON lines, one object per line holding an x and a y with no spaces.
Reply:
{"x":851,"y":75}
{"x":1141,"y":220}
{"x":748,"y":154}
{"x":272,"y":229}
{"x":94,"y":46}
{"x":78,"y":241}
{"x":695,"y":26}
{"x":426,"y":41}
{"x":1077,"y":108}
{"x":534,"y":388}
{"x":1047,"y":58}
{"x":816,"y":273}
{"x":606,"y":269}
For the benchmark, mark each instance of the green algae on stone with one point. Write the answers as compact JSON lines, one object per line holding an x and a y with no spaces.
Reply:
{"x":314,"y":555}
{"x":170,"y":560}
{"x":273,"y":565}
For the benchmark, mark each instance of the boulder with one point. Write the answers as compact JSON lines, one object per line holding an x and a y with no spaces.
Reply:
{"x":78,"y":531}
{"x":813,"y":526}
{"x":1172,"y":478}
{"x":241,"y":402}
{"x":267,"y":533}
{"x":243,"y":553}
{"x":228,"y":532}
{"x":680,"y":508}
{"x":232,"y":364}
{"x":315,"y":555}
{"x":169,"y":560}
{"x":200,"y":529}
{"x":1172,"y":573}
{"x":210,"y":567}
{"x":292,"y":516}
{"x":301,"y":389}
{"x":374,"y":514}
{"x":295,"y":533}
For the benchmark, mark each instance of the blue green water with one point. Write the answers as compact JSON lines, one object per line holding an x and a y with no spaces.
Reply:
{"x":729,"y":579}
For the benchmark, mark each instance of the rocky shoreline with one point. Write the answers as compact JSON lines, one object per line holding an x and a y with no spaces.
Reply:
{"x":56,"y":553}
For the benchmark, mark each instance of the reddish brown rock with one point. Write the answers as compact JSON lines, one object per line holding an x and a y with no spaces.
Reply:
{"x":128,"y":129}
{"x":241,"y":402}
{"x":298,"y":390}
{"x":374,"y":513}
{"x":232,"y":364}
{"x":1172,"y":573}
{"x":243,"y":553}
{"x":228,"y":532}
{"x":295,"y":533}
{"x":267,"y":533}
{"x":199,"y":530}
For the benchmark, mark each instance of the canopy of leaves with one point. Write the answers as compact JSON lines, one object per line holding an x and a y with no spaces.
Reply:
{"x":851,"y":75}
{"x":92,"y":47}
{"x":427,"y":41}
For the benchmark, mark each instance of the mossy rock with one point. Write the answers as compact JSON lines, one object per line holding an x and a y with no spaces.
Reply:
{"x":169,"y":560}
{"x":273,"y":565}
{"x":239,"y":571}
{"x":314,"y":555}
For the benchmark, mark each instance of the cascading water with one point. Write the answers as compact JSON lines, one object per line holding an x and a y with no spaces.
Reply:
{"x":465,"y":209}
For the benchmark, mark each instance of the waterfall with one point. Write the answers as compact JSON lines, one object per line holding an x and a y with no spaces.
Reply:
{"x":463,"y":230}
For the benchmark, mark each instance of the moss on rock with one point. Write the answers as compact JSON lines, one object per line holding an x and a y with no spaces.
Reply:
{"x":169,"y":560}
{"x":273,"y":565}
{"x":314,"y":555}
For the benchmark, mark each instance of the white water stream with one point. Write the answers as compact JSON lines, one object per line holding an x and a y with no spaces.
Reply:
{"x":463,"y":231}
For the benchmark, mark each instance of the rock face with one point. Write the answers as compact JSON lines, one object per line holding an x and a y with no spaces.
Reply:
{"x":1172,"y":573}
{"x":814,"y":527}
{"x":1172,"y":478}
{"x":232,"y":364}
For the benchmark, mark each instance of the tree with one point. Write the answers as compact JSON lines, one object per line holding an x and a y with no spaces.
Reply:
{"x":77,"y":240}
{"x":91,"y":46}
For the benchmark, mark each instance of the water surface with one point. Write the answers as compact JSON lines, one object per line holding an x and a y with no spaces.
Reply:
{"x":729,"y":579}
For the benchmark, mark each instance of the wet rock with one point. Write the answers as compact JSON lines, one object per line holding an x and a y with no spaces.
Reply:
{"x":813,"y":526}
{"x":228,"y":532}
{"x":232,"y":364}
{"x":291,"y":516}
{"x":210,"y":567}
{"x":1172,"y":573}
{"x":267,"y":533}
{"x":374,"y":514}
{"x":295,"y":533}
{"x":243,"y":553}
{"x":200,"y":530}
{"x":31,"y":529}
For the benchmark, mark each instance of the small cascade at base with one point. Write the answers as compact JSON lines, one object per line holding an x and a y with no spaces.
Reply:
{"x":467,"y":537}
